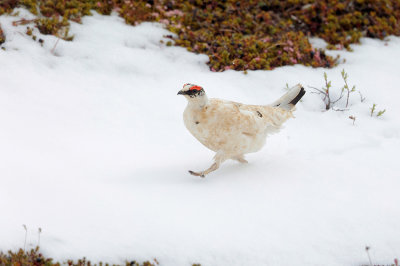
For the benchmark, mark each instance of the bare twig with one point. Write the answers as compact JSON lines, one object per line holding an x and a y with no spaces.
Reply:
{"x":54,"y":47}
{"x":319,"y":91}
{"x":39,"y":232}
{"x":352,"y":117}
{"x":340,"y":110}
{"x":361,"y":96}
{"x":23,"y":21}
{"x":274,"y":45}
{"x":338,"y":99}
{"x":26,"y":234}
{"x":369,"y":258}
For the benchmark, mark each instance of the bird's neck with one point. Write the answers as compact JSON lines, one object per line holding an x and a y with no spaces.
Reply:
{"x":198,"y":102}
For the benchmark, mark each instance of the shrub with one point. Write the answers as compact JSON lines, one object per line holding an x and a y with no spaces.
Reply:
{"x":33,"y":257}
{"x":242,"y":34}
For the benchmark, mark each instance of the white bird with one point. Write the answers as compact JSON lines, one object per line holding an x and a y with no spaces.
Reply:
{"x":233,"y":129}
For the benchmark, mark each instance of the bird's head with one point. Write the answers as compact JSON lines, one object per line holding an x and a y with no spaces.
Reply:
{"x":191,"y":91}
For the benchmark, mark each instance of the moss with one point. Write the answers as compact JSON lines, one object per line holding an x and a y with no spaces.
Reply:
{"x":55,"y":26}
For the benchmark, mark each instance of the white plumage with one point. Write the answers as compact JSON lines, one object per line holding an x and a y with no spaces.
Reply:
{"x":233,"y":129}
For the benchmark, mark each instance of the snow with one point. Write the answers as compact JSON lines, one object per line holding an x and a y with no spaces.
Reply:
{"x":94,"y":152}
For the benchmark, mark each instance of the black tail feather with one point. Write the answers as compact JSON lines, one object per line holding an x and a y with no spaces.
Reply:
{"x":298,"y":97}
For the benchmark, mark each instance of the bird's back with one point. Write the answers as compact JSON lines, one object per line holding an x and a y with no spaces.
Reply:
{"x":233,"y":127}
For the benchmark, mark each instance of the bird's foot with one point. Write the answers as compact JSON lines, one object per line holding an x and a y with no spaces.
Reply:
{"x":201,"y":174}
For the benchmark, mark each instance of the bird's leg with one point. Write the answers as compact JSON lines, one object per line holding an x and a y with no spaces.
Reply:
{"x":213,"y":167}
{"x":240,"y":159}
{"x":219,"y":158}
{"x":196,"y":173}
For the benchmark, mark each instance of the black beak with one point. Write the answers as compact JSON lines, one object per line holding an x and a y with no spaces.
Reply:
{"x":181,"y":93}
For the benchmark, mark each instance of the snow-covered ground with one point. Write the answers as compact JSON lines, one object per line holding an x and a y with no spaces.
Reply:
{"x":93,"y":150}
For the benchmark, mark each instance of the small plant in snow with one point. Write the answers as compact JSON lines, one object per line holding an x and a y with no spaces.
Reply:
{"x":381,"y":112}
{"x":327,"y":93}
{"x":39,"y":232}
{"x":373,"y":109}
{"x":369,"y":257}
{"x":331,"y":102}
{"x":367,"y":248}
{"x":346,"y":87}
{"x":352,"y":117}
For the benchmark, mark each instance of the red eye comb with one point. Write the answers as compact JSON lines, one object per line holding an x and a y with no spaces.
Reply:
{"x":197,"y":88}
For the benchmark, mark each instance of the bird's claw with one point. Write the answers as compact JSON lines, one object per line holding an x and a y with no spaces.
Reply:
{"x":201,"y":174}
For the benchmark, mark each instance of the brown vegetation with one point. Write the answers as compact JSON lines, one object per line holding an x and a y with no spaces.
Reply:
{"x":238,"y":35}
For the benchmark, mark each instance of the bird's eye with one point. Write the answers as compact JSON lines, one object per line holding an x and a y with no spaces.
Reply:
{"x":196,"y":88}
